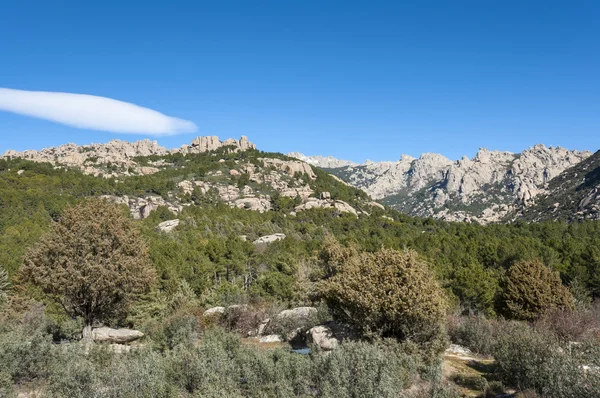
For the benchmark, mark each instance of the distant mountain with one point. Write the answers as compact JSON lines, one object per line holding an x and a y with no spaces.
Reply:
{"x":486,"y":188}
{"x":537,"y":184}
{"x":573,"y":195}
{"x":328,"y":162}
{"x":230,"y":171}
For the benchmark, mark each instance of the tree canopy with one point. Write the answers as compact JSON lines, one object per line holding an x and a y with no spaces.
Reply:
{"x":92,"y":261}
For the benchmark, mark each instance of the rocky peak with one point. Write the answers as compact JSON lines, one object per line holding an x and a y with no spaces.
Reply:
{"x":490,"y":183}
{"x":328,"y":162}
{"x":90,"y":158}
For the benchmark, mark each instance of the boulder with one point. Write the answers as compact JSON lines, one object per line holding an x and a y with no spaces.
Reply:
{"x":323,"y":337}
{"x":168,"y":226}
{"x":299,"y":313}
{"x":256,"y":204}
{"x":214,"y":311}
{"x":261,"y":328}
{"x":116,"y":336}
{"x":269,"y":239}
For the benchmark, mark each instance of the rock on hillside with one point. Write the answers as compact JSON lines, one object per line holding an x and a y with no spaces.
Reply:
{"x":482,"y":189}
{"x":574,"y":195}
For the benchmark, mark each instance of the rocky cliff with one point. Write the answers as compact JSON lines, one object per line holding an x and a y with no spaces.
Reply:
{"x":485,"y":188}
{"x":574,"y":195}
{"x":109,"y":159}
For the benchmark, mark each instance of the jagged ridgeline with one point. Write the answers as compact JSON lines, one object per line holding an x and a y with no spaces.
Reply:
{"x":487,"y":188}
{"x":572,"y":196}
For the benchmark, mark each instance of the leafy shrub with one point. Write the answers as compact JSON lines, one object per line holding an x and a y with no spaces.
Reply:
{"x":478,"y":333}
{"x":531,"y":289}
{"x":360,"y":369}
{"x":180,"y":329}
{"x":389,"y":293}
{"x":6,"y":385}
{"x":529,"y":359}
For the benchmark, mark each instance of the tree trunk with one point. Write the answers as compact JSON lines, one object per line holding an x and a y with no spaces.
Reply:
{"x":86,"y":334}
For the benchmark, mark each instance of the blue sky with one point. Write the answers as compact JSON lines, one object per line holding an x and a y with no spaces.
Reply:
{"x":356,"y":80}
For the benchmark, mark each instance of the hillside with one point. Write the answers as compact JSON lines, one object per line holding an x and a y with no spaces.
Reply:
{"x":144,"y":176}
{"x":574,"y":195}
{"x":483,"y":189}
{"x":238,"y":237}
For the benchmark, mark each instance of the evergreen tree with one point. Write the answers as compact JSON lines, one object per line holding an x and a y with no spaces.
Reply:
{"x":531,"y":289}
{"x":92,"y":262}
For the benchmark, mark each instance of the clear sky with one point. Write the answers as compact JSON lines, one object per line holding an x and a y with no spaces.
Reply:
{"x":353,"y":79}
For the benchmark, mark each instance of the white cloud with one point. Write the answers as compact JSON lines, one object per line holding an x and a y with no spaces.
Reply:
{"x":92,"y":112}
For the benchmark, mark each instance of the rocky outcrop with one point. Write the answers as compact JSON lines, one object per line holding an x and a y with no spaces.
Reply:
{"x":272,"y":338}
{"x":314,"y":203}
{"x":168,"y":226}
{"x":255,"y":204}
{"x":328,"y":162}
{"x":211,"y":143}
{"x":263,"y":240}
{"x":482,"y":189}
{"x":291,"y":167}
{"x":100,"y":159}
{"x":116,"y":336}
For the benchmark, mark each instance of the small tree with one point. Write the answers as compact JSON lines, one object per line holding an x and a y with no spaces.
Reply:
{"x":388,"y":292}
{"x":92,"y":262}
{"x":531,"y":289}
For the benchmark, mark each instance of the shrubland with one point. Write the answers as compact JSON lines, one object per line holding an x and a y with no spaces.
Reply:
{"x":522,"y":293}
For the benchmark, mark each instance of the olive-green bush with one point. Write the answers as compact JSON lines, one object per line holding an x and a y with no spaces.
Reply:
{"x":389,"y":293}
{"x":532,"y":289}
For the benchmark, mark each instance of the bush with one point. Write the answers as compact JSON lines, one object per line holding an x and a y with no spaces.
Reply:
{"x":529,"y":359}
{"x":477,"y":333}
{"x":390,"y":293}
{"x":360,"y":369}
{"x":568,"y":325}
{"x":6,"y":384}
{"x":531,"y":289}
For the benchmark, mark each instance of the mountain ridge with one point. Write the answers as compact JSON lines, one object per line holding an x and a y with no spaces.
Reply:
{"x":492,"y":186}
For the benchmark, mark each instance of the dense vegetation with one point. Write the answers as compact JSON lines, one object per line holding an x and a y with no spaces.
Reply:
{"x":352,"y":264}
{"x":470,"y":260}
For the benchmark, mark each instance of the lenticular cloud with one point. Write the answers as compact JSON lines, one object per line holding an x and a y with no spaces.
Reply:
{"x":92,"y":112}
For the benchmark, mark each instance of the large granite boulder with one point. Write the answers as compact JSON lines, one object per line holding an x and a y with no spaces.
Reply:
{"x":168,"y":226}
{"x":323,"y":337}
{"x":269,"y":239}
{"x":116,"y":336}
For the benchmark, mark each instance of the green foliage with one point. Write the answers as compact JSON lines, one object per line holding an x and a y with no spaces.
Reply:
{"x":528,"y":359}
{"x":468,"y":259}
{"x":532,"y":289}
{"x":389,"y":292}
{"x":91,"y":262}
